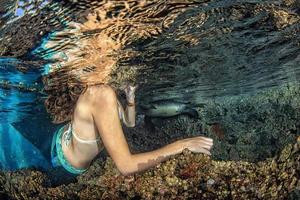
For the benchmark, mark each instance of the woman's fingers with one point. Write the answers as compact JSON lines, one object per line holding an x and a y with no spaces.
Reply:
{"x":201,"y":139}
{"x":204,"y":141}
{"x":130,"y":87}
{"x":202,"y":150}
{"x":130,"y":90}
{"x":134,"y":87}
{"x":203,"y":145}
{"x":199,"y":144}
{"x":205,"y":138}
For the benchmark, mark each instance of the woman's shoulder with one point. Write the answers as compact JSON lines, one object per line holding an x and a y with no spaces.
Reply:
{"x":101,"y":91}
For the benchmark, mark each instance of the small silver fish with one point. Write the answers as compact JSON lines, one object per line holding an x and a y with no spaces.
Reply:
{"x":168,"y":108}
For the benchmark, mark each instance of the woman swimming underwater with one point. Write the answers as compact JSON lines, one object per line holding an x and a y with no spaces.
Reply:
{"x":96,"y":124}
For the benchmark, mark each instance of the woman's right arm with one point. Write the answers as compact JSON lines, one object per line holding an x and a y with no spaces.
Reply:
{"x":143,"y":161}
{"x":110,"y":129}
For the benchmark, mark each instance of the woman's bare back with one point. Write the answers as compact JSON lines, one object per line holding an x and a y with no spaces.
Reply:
{"x":80,"y":154}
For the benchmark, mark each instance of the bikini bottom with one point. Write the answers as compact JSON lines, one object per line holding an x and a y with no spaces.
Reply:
{"x":57,"y":156}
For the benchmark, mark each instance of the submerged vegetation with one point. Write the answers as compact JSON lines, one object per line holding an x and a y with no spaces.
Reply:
{"x":186,"y":176}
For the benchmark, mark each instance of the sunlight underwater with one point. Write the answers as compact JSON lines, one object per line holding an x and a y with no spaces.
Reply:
{"x":235,"y":62}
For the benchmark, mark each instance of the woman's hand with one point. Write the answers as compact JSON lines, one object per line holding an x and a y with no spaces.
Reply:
{"x":197,"y":144}
{"x":130,"y":93}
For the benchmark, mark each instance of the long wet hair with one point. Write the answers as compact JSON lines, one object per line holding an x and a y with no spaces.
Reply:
{"x":95,"y":45}
{"x":61,"y":105}
{"x":91,"y":64}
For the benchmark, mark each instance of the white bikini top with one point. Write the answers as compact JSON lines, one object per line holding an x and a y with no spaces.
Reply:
{"x":67,"y":135}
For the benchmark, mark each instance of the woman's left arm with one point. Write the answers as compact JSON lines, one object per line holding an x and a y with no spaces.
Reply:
{"x":128,"y":115}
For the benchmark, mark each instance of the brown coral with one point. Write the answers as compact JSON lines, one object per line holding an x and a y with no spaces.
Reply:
{"x":186,"y":176}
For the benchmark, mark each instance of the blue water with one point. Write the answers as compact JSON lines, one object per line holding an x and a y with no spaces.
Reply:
{"x":25,"y":127}
{"x":251,"y":55}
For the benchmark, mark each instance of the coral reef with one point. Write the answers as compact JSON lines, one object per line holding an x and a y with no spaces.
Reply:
{"x":185,"y":176}
{"x":254,"y":126}
{"x":244,"y":127}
